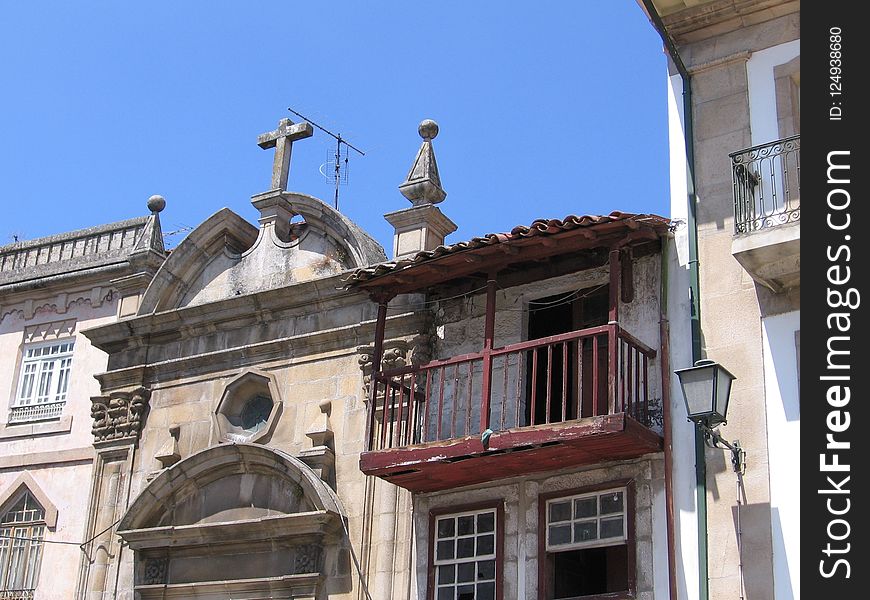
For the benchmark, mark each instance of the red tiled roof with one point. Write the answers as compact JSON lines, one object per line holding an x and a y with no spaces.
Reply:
{"x":540,"y":227}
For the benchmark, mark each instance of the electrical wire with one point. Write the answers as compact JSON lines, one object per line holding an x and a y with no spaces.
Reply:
{"x":568,"y":298}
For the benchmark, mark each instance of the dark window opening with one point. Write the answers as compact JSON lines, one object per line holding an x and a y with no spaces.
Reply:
{"x":589,"y":571}
{"x":545,"y":367}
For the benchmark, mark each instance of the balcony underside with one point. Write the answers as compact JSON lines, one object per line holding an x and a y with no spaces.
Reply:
{"x":771,"y":256}
{"x":463,"y":461}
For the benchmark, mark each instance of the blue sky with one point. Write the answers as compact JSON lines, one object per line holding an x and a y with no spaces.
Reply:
{"x":545,"y":109}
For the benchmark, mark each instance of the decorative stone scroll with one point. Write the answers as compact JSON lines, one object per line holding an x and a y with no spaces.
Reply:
{"x":120,"y":415}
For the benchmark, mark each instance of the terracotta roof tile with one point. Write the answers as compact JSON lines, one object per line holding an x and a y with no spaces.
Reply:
{"x":538,"y":227}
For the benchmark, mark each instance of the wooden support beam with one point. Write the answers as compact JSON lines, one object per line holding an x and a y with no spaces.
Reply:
{"x":613,"y":323}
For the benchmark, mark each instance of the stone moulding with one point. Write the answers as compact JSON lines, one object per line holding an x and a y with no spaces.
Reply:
{"x":300,"y":587}
{"x":310,"y":525}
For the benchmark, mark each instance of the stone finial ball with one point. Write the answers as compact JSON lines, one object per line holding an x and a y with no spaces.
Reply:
{"x":156,"y":203}
{"x":428,"y":129}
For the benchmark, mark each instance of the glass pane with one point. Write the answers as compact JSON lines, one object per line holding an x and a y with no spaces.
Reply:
{"x":465,"y":592}
{"x":445,"y":593}
{"x":485,"y":591}
{"x":27,"y":383}
{"x":465,"y":572}
{"x":560,"y":534}
{"x":464,"y":547}
{"x":585,"y":530}
{"x":485,"y":545}
{"x":485,"y":522}
{"x":446,"y":527}
{"x":560,"y":511}
{"x":45,"y":375}
{"x":611,"y":503}
{"x":466,"y":525}
{"x":611,"y":528}
{"x":446,"y":573}
{"x":445,"y":550}
{"x":486,"y":569}
{"x":585,"y":507}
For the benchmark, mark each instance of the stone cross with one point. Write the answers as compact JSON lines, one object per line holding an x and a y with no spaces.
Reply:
{"x":282,"y":141}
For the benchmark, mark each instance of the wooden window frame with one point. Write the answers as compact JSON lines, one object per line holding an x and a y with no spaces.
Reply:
{"x":498,"y":507}
{"x":544,"y":591}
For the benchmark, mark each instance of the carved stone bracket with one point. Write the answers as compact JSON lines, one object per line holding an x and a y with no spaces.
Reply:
{"x":120,"y":415}
{"x":397,"y":354}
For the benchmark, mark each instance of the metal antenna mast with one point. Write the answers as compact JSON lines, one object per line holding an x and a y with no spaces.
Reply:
{"x":338,"y":142}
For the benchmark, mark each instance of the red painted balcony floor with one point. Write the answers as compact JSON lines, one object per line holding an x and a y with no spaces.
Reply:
{"x":463,"y":461}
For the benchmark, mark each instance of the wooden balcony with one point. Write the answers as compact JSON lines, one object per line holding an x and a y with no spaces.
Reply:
{"x":573,"y":399}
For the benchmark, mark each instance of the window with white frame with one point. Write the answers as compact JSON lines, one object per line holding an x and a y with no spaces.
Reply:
{"x":22,"y":529}
{"x":43,"y":382}
{"x":466,"y":555}
{"x":586,"y":549}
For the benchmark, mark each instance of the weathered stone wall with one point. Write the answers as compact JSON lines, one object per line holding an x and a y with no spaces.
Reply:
{"x":522,"y":527}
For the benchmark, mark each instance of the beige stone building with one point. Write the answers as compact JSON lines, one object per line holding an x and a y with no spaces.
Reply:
{"x":51,"y":289}
{"x":735,"y":172}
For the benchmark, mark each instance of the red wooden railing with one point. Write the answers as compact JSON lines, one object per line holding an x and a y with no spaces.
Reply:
{"x":548,"y":380}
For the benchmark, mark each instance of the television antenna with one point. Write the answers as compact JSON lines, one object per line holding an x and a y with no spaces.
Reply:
{"x":339,"y":174}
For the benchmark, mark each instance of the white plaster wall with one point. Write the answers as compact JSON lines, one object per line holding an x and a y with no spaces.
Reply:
{"x":87,"y":361}
{"x":762,"y":89}
{"x":782,"y":401}
{"x":678,"y":311}
{"x":66,"y":486}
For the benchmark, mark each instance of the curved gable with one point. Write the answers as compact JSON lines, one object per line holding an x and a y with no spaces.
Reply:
{"x":209,"y":250}
{"x":226,"y":256}
{"x":361,"y":249}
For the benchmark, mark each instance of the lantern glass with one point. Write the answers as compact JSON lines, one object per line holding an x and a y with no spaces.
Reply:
{"x":722,"y":390}
{"x":706,"y":388}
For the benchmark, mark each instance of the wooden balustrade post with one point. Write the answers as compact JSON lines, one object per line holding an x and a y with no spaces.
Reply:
{"x":488,"y":335}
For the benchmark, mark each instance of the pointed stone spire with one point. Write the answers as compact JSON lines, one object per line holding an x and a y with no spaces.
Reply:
{"x":151,"y":238}
{"x":423,"y":185}
{"x":422,"y":226}
{"x":146,"y":257}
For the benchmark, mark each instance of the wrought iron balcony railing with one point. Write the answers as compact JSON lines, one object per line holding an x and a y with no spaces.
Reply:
{"x":36,"y":412}
{"x":17,"y":594}
{"x":767,"y":185}
{"x":592,"y":372}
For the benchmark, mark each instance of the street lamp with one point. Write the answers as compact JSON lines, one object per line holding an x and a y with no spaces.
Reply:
{"x":706,"y":388}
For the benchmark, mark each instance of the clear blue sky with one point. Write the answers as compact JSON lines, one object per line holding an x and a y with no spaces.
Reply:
{"x":546,"y":108}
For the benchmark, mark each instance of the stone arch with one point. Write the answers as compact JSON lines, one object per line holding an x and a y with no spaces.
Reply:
{"x":167,"y":500}
{"x":234,"y":517}
{"x":224,"y":233}
{"x":25,"y":483}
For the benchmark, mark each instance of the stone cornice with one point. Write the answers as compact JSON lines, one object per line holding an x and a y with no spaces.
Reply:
{"x":721,"y":16}
{"x":168,"y":325}
{"x":340,"y":339}
{"x":302,"y":527}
